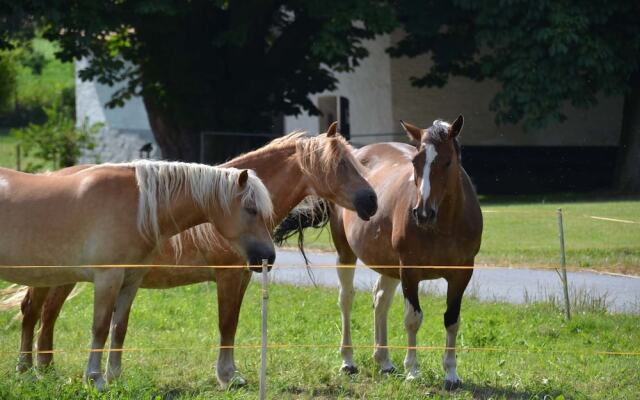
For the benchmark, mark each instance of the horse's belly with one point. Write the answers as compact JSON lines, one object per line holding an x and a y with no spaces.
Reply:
{"x":45,"y":276}
{"x":163,"y":278}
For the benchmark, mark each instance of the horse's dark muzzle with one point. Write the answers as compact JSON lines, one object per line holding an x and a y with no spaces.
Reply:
{"x":425,"y":217}
{"x":257,"y":253}
{"x":366,"y":204}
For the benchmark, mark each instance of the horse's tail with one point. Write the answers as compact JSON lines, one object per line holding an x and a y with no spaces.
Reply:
{"x":11,"y":297}
{"x":312,"y":212}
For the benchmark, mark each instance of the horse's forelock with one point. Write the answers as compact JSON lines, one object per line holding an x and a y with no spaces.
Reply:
{"x":438,"y":133}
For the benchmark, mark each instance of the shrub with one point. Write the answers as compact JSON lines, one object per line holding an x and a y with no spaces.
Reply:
{"x":57,"y":140}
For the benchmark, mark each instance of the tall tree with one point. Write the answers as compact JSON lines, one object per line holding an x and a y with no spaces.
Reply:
{"x":212,"y":64}
{"x":544,"y":53}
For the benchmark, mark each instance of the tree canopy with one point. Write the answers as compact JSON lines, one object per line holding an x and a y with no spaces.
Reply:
{"x":213,"y":64}
{"x":544,"y":54}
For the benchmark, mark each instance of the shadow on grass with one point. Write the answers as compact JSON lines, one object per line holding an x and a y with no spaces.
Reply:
{"x":485,"y":392}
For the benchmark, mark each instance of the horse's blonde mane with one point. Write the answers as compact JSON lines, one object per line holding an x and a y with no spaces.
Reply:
{"x":314,"y":152}
{"x":160,"y":182}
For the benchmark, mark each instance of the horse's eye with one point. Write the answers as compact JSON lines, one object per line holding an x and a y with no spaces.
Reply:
{"x":251,"y":211}
{"x":447,"y":164}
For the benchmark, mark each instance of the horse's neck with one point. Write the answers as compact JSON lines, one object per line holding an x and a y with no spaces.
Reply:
{"x":280,"y":171}
{"x":179,"y":214}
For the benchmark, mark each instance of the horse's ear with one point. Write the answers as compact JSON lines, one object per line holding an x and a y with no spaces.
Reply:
{"x":413,"y":132}
{"x":333,"y":128}
{"x":243,"y":178}
{"x":456,"y":127}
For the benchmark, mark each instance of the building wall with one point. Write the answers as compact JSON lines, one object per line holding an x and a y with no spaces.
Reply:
{"x":368,"y":90}
{"x":598,"y":126}
{"x":125,"y":130}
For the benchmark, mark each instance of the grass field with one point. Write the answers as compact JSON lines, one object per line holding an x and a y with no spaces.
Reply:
{"x":524,"y":231}
{"x":183,"y":321}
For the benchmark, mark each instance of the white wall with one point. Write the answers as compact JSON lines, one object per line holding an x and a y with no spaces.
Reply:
{"x":126,"y":128}
{"x":368,"y":90}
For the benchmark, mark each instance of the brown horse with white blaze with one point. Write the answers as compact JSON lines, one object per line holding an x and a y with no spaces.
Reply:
{"x":428,"y":215}
{"x":58,"y":229}
{"x":292,"y":167}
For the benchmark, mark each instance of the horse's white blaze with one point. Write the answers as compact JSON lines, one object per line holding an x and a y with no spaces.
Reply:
{"x":425,"y":186}
{"x":449,"y":361}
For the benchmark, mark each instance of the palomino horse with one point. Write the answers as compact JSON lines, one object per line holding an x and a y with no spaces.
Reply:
{"x":292,"y":167}
{"x":429,"y":215}
{"x":119,"y":214}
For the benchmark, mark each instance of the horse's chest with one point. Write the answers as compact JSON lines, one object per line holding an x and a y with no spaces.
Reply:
{"x":431,"y":250}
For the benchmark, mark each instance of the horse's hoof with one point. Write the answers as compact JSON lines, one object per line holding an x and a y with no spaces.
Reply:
{"x":21,"y":368}
{"x":411,"y":376}
{"x":236,"y":382}
{"x":24,"y":364}
{"x":349,"y":369}
{"x":96,"y":380}
{"x":388,"y":370}
{"x":452,"y":385}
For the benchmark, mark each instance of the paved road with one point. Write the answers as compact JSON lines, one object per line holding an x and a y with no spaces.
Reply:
{"x":622,"y":294}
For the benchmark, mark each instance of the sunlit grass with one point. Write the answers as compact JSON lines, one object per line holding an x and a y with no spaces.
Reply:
{"x":553,"y":356}
{"x":524,"y":231}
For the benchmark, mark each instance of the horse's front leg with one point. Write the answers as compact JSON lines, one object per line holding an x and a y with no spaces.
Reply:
{"x":119,"y":324}
{"x":412,"y":319}
{"x":50,"y":312}
{"x":107,"y":284}
{"x":383,"y":294}
{"x":231,"y":286}
{"x":456,"y":286}
{"x":346,"y":260}
{"x":345,"y":300}
{"x":30,"y":307}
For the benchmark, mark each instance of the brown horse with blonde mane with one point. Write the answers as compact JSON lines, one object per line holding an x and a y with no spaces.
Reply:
{"x":292,"y":167}
{"x":59,"y":229}
{"x":429,"y":215}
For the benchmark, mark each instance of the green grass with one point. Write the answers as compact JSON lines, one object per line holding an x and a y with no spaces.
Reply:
{"x":524,"y":231}
{"x":184,"y":321}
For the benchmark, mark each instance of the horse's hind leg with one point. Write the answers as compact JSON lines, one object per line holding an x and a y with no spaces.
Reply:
{"x":383,"y":294}
{"x":119,"y":324}
{"x":455,"y":290}
{"x":346,"y":257}
{"x":231,"y":285}
{"x":30,"y":307}
{"x":107,"y":284}
{"x":50,"y":311}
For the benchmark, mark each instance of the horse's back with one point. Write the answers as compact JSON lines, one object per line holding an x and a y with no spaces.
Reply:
{"x":377,"y":154}
{"x":48,"y":219}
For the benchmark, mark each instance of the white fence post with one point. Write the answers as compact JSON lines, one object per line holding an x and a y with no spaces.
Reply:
{"x":263,"y":351}
{"x":563,"y":277}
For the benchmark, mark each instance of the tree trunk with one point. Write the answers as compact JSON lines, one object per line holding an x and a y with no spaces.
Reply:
{"x":176,"y":142}
{"x":628,"y":163}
